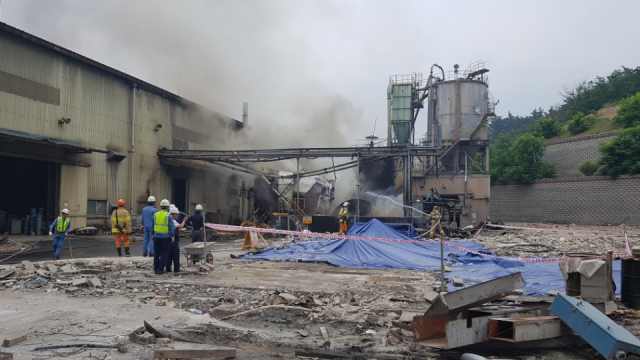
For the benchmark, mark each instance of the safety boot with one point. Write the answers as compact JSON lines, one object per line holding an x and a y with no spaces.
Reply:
{"x":126,"y":252}
{"x":119,"y":252}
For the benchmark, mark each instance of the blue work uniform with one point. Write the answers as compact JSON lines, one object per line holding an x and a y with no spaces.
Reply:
{"x":147,"y":221}
{"x":197,"y":222}
{"x":163,"y":231}
{"x":60,"y":228}
{"x":174,"y":251}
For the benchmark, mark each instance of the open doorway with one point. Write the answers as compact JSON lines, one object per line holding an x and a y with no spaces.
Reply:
{"x":180,"y":194}
{"x":29,"y":192}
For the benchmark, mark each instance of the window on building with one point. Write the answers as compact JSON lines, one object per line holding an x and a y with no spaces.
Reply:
{"x":97,"y":207}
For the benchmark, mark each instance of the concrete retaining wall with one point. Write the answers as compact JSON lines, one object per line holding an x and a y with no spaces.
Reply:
{"x":587,"y":201}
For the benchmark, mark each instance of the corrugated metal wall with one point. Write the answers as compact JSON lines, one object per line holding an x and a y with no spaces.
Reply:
{"x":100,"y":107}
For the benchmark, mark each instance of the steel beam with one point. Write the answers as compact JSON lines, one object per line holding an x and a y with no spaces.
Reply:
{"x":464,"y":299}
{"x":285,"y":154}
{"x":527,"y":329}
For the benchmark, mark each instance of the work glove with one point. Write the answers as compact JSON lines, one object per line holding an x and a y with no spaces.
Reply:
{"x":50,"y":233}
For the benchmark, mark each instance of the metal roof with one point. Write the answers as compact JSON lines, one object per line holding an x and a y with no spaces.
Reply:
{"x":133,"y":80}
{"x":39,"y":138}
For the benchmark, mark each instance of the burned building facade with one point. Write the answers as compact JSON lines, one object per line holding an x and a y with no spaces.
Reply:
{"x":77,"y":134}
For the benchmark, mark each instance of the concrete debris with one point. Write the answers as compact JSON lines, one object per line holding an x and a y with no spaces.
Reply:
{"x":431,"y":296}
{"x":7,"y":272}
{"x":95,"y":282}
{"x":28,"y":266}
{"x":8,"y":342}
{"x":80,"y":282}
{"x":287,"y":296}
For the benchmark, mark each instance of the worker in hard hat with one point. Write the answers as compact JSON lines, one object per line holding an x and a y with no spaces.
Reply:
{"x":163,"y":236}
{"x":342,"y":218}
{"x":174,"y":248}
{"x":147,"y":226}
{"x":435,"y":222}
{"x":196,"y":221}
{"x":60,"y":230}
{"x":121,"y":227}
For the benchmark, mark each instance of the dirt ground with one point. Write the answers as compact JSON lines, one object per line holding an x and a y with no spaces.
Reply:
{"x":365,"y":313}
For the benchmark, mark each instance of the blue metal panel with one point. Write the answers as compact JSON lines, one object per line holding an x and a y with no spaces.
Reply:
{"x":594,"y":327}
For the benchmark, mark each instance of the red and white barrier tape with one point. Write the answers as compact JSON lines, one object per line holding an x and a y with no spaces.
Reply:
{"x":233,"y":228}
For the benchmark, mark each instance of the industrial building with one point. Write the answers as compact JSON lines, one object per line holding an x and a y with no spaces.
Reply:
{"x":77,"y":134}
{"x":459,"y":107}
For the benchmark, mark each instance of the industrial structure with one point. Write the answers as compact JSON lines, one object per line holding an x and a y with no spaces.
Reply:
{"x":77,"y":134}
{"x":459,"y":107}
{"x":434,"y":172}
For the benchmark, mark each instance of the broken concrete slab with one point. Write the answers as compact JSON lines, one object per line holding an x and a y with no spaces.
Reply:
{"x":28,"y":266}
{"x":476,"y":295}
{"x":457,"y":282}
{"x":287,"y":296}
{"x":193,"y":353}
{"x":431,"y":296}
{"x":52,"y":268}
{"x":72,"y":289}
{"x":95,"y":282}
{"x":6,"y":273}
{"x":79,"y":282}
{"x":407,"y":316}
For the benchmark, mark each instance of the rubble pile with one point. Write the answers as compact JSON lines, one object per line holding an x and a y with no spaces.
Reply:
{"x":555,"y":244}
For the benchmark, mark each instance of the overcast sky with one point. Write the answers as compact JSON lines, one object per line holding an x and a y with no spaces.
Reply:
{"x":318,"y":70}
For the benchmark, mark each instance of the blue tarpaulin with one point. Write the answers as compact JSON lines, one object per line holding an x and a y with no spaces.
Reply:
{"x":539,"y":277}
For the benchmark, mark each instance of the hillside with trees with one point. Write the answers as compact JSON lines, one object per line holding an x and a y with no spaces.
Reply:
{"x":605,"y":104}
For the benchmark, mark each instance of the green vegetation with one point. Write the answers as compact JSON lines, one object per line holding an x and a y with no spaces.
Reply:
{"x":519,"y":160}
{"x":546,"y":128}
{"x":629,"y":112}
{"x":621,"y":155}
{"x":587,"y":98}
{"x":578,"y":124}
{"x":589,"y":168}
{"x":590,"y":96}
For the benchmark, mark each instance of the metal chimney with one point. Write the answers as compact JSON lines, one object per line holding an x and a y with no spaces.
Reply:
{"x":245,"y":114}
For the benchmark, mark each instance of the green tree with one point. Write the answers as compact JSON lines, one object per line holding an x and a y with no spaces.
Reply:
{"x":589,"y":168}
{"x":519,"y":159}
{"x":548,"y":170}
{"x":578,"y":124}
{"x":621,"y":155}
{"x":629,"y":111}
{"x":547,"y":128}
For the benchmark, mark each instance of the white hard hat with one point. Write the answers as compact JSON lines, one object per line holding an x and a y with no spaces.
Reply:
{"x":346,"y":203}
{"x":65,"y":211}
{"x":174,"y":210}
{"x":198,"y":207}
{"x":151,"y":199}
{"x":164,"y":202}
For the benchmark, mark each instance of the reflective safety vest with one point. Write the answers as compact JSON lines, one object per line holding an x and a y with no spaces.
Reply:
{"x":434,"y":217}
{"x":342,"y":215}
{"x":119,"y":220}
{"x":161,"y":223}
{"x":62,"y":225}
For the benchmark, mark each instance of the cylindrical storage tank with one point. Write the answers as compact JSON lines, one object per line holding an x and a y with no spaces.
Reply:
{"x":460,"y":106}
{"x":630,"y":290}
